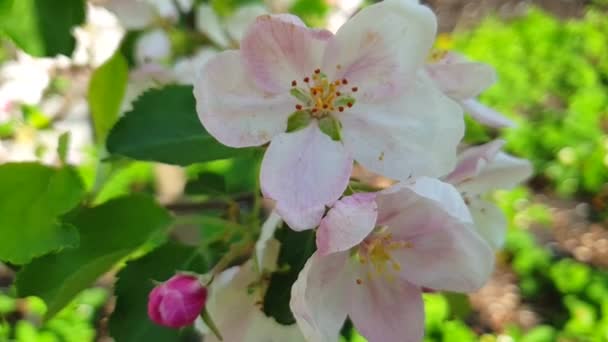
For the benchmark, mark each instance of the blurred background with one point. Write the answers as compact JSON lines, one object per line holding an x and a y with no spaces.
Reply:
{"x":551,"y":56}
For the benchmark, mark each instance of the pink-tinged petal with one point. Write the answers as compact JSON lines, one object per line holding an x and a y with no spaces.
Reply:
{"x":278,"y":49}
{"x":415,"y":134}
{"x":490,"y":222}
{"x":381,"y":43}
{"x":320,"y":296}
{"x":462,"y":80}
{"x":304,"y":171}
{"x":473,"y":160}
{"x":346,"y":224}
{"x":485,"y":115}
{"x":503,"y":172}
{"x":232,"y":109}
{"x":443,"y":251}
{"x":383,"y":310}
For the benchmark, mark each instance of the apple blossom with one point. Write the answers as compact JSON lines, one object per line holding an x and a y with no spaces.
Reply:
{"x":378,"y":252}
{"x":153,"y":46}
{"x":322,"y":100}
{"x":177,"y":302}
{"x":462,"y":81}
{"x":482,"y":169}
{"x":98,"y":39}
{"x":237,"y":294}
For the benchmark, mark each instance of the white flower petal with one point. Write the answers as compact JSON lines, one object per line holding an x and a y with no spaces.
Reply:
{"x":304,"y":171}
{"x":232,"y":109}
{"x":415,"y":134}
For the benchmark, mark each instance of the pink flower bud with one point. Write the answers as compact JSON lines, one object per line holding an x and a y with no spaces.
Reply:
{"x":177,"y":302}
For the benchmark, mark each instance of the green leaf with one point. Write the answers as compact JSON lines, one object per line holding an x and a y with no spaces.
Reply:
{"x":34,"y":197}
{"x":130,"y":322}
{"x":330,"y":126}
{"x":106,"y":91}
{"x":298,"y":120}
{"x":42,"y":27}
{"x":163,"y":126}
{"x":108,"y":234}
{"x":63,"y":145}
{"x":296,"y":248}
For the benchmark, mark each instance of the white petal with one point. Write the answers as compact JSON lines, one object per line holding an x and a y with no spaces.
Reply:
{"x":279,"y":49}
{"x":462,"y":80}
{"x":304,"y":171}
{"x":208,"y":22}
{"x":473,"y":160}
{"x":444,"y":253}
{"x":490,"y":222}
{"x":415,"y":134}
{"x":320,"y":296}
{"x":486,"y":115}
{"x":232,"y":109}
{"x":240,"y":21}
{"x":346,"y":224}
{"x":264,"y":259}
{"x":387,"y":310}
{"x":503,"y":172}
{"x":382,"y":42}
{"x":153,"y":46}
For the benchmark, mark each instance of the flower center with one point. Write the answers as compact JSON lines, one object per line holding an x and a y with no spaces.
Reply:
{"x":320,"y":97}
{"x":376,"y":251}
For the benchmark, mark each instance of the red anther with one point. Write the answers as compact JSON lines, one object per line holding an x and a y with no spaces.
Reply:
{"x":294,"y":83}
{"x":298,"y":107}
{"x":317,"y":71}
{"x":314,"y":92}
{"x":354,"y":89}
{"x":306,"y":79}
{"x":344,"y":81}
{"x":314,"y":110}
{"x":340,"y":109}
{"x":338,"y":93}
{"x":349,"y":104}
{"x":359,"y":281}
{"x":325,"y":106}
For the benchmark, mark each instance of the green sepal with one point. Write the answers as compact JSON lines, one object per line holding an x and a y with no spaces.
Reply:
{"x":330,"y":126}
{"x":300,"y":94}
{"x":344,"y":101}
{"x":210,"y":324}
{"x":298,"y":120}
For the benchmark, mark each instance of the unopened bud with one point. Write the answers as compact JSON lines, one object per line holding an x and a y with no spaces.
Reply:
{"x":177,"y":302}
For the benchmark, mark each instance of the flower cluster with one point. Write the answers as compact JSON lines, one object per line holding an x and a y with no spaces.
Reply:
{"x":374,"y":93}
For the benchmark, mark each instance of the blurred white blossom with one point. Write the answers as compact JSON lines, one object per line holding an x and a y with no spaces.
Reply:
{"x":98,"y":39}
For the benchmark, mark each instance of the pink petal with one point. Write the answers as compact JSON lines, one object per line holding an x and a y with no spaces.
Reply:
{"x":320,"y":296}
{"x":278,"y":49}
{"x":502,"y":172}
{"x":346,"y":224}
{"x":490,"y":222}
{"x":462,"y":80}
{"x":485,"y":115}
{"x":304,"y":171}
{"x":380,"y":44}
{"x":473,"y":160}
{"x":232,"y":109}
{"x":414,"y":134}
{"x":384,"y":310}
{"x":445,"y":252}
